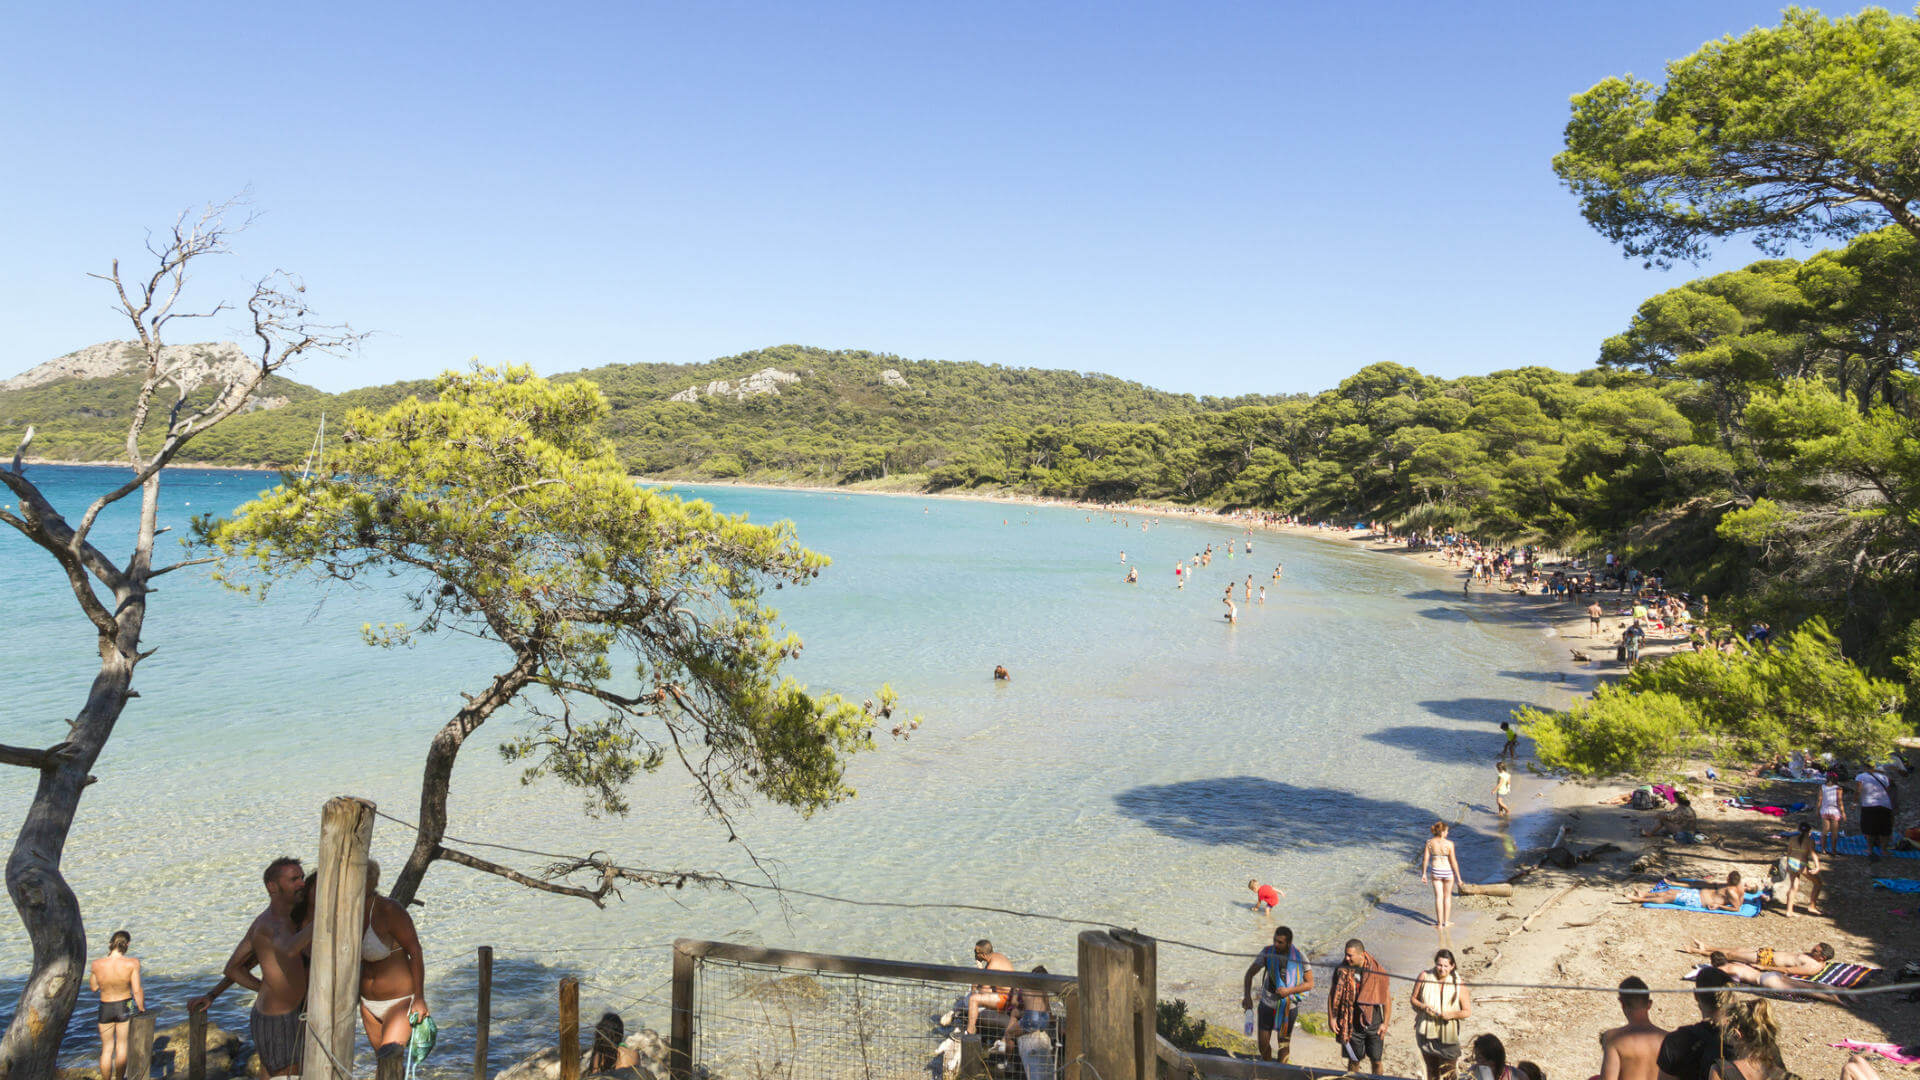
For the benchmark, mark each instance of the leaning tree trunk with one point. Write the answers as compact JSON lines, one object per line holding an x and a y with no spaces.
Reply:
{"x":48,"y":907}
{"x":437,"y":778}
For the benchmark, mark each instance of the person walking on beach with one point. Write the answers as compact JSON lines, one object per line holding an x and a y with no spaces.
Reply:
{"x":1511,"y":750}
{"x":1594,"y":612}
{"x":1285,"y":979}
{"x":1360,"y":1007}
{"x":1233,"y":614}
{"x":1833,"y":811}
{"x":277,"y":944}
{"x":1632,"y":1050}
{"x":1439,"y":1003}
{"x":116,"y":978}
{"x":1803,"y":864}
{"x":1877,"y":805}
{"x":1502,"y":784}
{"x":1439,"y":865}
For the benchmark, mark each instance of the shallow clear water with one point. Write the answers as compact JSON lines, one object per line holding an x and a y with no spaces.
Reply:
{"x":1145,"y":761}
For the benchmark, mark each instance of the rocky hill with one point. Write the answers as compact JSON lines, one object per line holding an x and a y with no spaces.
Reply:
{"x":785,"y":414}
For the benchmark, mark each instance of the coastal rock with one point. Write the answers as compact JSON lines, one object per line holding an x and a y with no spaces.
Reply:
{"x":894,"y":379}
{"x":208,"y":363}
{"x":764,"y":381}
{"x":544,"y":1065}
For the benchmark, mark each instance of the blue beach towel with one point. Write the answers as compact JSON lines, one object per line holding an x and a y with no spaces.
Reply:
{"x":1897,"y":884}
{"x":1857,"y":845}
{"x":1689,"y":900}
{"x":1279,"y":974}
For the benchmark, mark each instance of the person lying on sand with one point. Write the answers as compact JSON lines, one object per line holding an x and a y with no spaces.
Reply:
{"x":1805,"y":964}
{"x":1748,"y":975}
{"x":1726,"y":897}
{"x":1682,"y":818}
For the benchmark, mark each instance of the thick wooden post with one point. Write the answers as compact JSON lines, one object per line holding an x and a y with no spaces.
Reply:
{"x":140,"y":1047}
{"x":339,"y":920}
{"x":391,"y":1067}
{"x":483,"y":1013}
{"x":680,"y":1040}
{"x":196,"y":1045}
{"x":1107,"y":995}
{"x":1146,"y":1020}
{"x":569,"y":1028}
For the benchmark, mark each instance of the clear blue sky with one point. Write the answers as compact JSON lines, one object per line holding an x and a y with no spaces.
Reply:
{"x":1207,"y":197}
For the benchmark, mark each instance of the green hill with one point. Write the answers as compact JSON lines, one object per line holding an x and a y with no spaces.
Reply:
{"x":815,"y":416}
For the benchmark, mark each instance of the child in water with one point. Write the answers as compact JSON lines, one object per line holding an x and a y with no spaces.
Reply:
{"x":1502,"y":785}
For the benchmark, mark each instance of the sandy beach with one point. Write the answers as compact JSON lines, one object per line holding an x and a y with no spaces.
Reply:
{"x":1572,"y":928}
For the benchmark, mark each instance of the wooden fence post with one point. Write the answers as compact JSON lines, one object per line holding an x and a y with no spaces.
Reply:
{"x":483,"y":1013}
{"x":339,"y":919}
{"x":1108,"y":993}
{"x":391,"y":1067}
{"x":1146,"y":962}
{"x":680,"y":1041}
{"x":569,"y":1028}
{"x":140,"y":1047}
{"x":196,"y":1045}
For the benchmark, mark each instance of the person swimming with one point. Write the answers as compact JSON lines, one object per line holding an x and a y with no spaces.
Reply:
{"x":1000,"y":673}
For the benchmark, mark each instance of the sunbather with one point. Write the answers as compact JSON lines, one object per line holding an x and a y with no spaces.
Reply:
{"x":1726,"y":897}
{"x":1804,"y":964}
{"x":1749,"y":975}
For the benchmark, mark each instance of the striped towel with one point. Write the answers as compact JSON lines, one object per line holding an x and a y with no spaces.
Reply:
{"x":1841,"y":974}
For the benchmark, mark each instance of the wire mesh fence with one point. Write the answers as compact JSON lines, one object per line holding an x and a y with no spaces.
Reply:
{"x":763,"y":1015}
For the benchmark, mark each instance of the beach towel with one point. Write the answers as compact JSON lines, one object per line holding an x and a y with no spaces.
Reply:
{"x":1838,"y":973}
{"x":1688,"y":899}
{"x":1897,"y":884}
{"x":1857,"y":845}
{"x":1283,"y":972}
{"x":1890,"y":1051}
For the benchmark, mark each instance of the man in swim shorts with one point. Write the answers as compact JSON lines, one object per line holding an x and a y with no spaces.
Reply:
{"x":1803,"y":964}
{"x":1285,"y":980}
{"x":1726,"y":897}
{"x":982,"y":996}
{"x":278,"y":947}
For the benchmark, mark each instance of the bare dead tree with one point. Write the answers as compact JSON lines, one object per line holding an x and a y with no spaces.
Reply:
{"x":113,"y":595}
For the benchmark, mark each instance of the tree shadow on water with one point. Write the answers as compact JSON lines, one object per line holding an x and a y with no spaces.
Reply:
{"x":1268,"y":816}
{"x":1487,"y":710}
{"x":1448,"y":746}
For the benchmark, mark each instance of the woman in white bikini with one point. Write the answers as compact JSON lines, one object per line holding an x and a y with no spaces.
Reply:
{"x":1438,"y":865}
{"x":393,"y":978}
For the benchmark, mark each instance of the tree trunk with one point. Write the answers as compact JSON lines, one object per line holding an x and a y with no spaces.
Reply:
{"x":437,"y":778}
{"x":47,"y":906}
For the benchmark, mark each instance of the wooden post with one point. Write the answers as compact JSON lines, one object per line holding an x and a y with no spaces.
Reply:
{"x":196,"y":1045}
{"x":569,"y":1028}
{"x":680,"y":1040}
{"x":1146,"y":1020}
{"x":483,"y":1013}
{"x":1107,"y":992}
{"x":140,"y":1047}
{"x":1070,"y":1031}
{"x":339,"y":920}
{"x":391,"y":1067}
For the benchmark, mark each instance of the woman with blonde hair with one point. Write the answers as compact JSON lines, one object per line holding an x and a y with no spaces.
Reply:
{"x":1439,"y":865}
{"x":1750,"y":1042}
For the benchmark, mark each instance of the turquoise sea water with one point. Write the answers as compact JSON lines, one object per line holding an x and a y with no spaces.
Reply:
{"x":1144,"y":762}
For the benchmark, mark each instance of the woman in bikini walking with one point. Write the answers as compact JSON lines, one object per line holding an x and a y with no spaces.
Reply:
{"x":1438,"y":865}
{"x":393,"y":979}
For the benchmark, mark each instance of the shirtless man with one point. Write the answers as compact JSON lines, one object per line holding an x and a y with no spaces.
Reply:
{"x":116,"y":978}
{"x":1631,"y":1051}
{"x":986,"y":997}
{"x":1804,"y":964}
{"x":277,"y":946}
{"x":1726,"y":897}
{"x":1753,"y":976}
{"x":1594,"y":612}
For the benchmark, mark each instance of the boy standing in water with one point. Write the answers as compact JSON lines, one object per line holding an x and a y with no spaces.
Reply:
{"x":1512,"y":748}
{"x":1502,"y":784}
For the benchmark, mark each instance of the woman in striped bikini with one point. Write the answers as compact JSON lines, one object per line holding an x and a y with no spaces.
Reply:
{"x":1439,"y":865}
